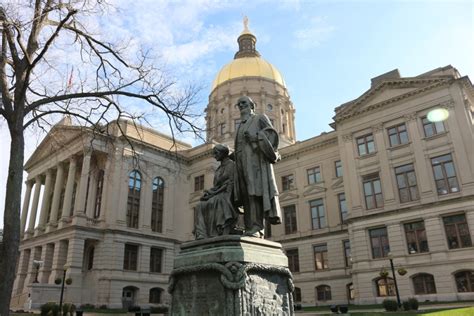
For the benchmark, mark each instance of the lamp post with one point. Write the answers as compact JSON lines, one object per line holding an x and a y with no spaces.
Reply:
{"x":390,"y":257}
{"x":62,"y":291}
{"x":37,"y":264}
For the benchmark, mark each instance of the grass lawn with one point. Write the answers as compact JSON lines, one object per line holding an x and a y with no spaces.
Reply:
{"x":432,"y":312}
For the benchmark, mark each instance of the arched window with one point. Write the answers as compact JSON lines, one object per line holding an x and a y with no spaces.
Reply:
{"x":133,"y":204}
{"x":155,"y":295}
{"x":350,"y":291}
{"x":157,"y":205}
{"x":465,"y":281}
{"x":297,"y":295}
{"x":424,"y":283}
{"x":90,"y":258}
{"x":385,"y":287}
{"x":323,"y":293}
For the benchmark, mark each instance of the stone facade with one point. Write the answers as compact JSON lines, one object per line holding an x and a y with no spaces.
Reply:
{"x":383,"y":180}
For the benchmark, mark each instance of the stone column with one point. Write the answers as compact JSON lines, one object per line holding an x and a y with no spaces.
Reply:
{"x":46,"y":199}
{"x":47,"y":258}
{"x":67,"y":204}
{"x":82,"y":187}
{"x":59,"y":260}
{"x":106,"y":183}
{"x":75,"y":255}
{"x":91,"y":195}
{"x":58,"y":185}
{"x":26,"y":204}
{"x":34,"y":206}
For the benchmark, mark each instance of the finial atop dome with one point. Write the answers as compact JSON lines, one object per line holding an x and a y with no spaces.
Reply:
{"x":246,"y":24}
{"x":246,"y":42}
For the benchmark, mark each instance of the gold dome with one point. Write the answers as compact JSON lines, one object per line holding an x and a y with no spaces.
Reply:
{"x":248,"y":67}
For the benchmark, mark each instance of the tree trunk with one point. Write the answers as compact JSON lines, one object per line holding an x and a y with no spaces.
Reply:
{"x":11,"y":229}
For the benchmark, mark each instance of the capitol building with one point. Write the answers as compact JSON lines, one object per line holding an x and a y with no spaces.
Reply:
{"x":385,"y":184}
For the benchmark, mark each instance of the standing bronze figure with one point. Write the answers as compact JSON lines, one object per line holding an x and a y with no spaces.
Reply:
{"x":255,"y":189}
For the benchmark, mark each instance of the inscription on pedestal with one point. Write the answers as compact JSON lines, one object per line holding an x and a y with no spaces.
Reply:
{"x":199,"y":294}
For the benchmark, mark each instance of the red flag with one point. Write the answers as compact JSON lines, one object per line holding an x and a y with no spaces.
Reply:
{"x":69,"y":83}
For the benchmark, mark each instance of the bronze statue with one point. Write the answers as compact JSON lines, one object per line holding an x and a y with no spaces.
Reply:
{"x":215,"y":213}
{"x":255,"y":189}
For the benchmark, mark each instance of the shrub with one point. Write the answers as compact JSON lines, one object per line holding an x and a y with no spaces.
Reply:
{"x":50,"y":308}
{"x":161,"y":309}
{"x":406,"y":306}
{"x":390,"y":305}
{"x":413,"y":303}
{"x":134,"y":309}
{"x":103,"y":307}
{"x":58,"y":281}
{"x":69,"y":309}
{"x":87,"y":306}
{"x":68,"y":281}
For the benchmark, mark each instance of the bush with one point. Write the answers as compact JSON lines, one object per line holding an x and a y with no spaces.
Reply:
{"x":103,"y":307}
{"x":390,"y":305}
{"x":87,"y":306}
{"x":413,"y":303}
{"x":159,"y":309}
{"x":406,"y":306}
{"x":69,"y":309}
{"x":58,"y":281}
{"x":50,"y":308}
{"x":134,"y":309}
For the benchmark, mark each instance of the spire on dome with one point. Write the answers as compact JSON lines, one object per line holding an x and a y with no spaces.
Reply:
{"x":246,"y":42}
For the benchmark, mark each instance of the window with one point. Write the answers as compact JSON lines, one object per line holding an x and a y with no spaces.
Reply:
{"x":424,"y":283}
{"x":379,"y":242}
{"x":350,"y":291}
{"x":297,"y":295}
{"x":130,"y":257}
{"x":365,"y":145}
{"x":293,"y":260}
{"x":341,"y":197}
{"x":320,"y":257}
{"x":156,"y":255}
{"x":398,"y":135}
{"x":133,"y":205}
{"x":283,"y":128}
{"x":290,"y":219}
{"x":314,"y":175}
{"x":318,"y":217}
{"x":432,"y":128}
{"x":416,"y":237}
{"x":222,"y":128}
{"x":287,"y":182}
{"x":199,"y":183}
{"x":98,"y":195}
{"x":406,"y":182}
{"x":444,"y":174}
{"x":323,"y":293}
{"x":269,"y":107}
{"x":373,"y":191}
{"x":457,"y":231}
{"x":338,"y":167}
{"x":465,"y":281}
{"x":90,"y":258}
{"x":155,"y":295}
{"x":385,"y":287}
{"x":157,"y":205}
{"x":347,"y":252}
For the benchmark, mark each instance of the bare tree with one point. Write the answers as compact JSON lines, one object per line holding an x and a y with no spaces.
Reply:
{"x":39,"y":41}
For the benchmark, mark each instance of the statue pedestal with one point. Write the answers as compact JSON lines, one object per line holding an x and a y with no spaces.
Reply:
{"x":231,"y":275}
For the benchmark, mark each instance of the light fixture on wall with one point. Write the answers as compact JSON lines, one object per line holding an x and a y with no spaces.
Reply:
{"x":437,"y":115}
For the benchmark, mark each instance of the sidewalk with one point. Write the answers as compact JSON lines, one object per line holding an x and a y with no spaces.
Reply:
{"x":422,"y":307}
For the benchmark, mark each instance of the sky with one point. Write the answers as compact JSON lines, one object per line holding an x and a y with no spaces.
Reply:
{"x":327,"y":51}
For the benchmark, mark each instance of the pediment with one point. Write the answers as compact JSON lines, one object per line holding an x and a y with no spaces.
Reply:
{"x":387,"y":92}
{"x":314,"y":189}
{"x":56,"y":139}
{"x":287,"y":196}
{"x":338,"y":183}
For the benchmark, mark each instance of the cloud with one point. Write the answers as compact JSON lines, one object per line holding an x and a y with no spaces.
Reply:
{"x":314,"y":34}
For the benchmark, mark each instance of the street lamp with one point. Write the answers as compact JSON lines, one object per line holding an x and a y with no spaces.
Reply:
{"x":390,"y":257}
{"x":62,"y":290}
{"x":37,"y":264}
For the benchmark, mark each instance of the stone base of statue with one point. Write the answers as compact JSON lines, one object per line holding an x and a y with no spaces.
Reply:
{"x":231,"y":275}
